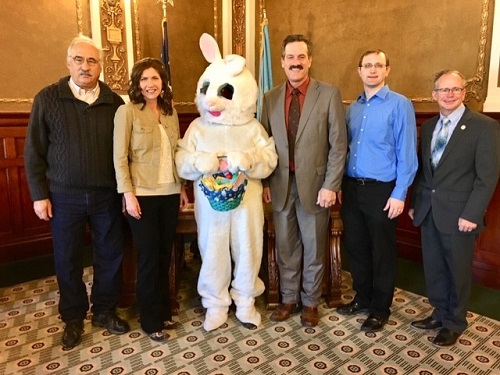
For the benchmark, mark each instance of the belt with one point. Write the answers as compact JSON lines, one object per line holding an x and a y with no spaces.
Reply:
{"x":362,"y":180}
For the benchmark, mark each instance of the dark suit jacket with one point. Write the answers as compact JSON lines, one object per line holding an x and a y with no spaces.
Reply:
{"x":320,"y":146}
{"x":465,"y":178}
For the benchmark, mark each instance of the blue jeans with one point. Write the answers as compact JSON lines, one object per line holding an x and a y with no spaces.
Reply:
{"x":101,"y":210}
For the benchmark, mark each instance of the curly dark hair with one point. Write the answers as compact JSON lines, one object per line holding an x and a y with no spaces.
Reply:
{"x":134,"y":90}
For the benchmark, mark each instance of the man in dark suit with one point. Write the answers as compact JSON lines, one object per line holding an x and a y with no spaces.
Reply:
{"x":306,"y":119}
{"x":458,"y":172}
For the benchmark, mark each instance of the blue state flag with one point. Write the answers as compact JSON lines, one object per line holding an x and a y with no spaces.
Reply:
{"x":164,"y":52}
{"x":265,"y":68}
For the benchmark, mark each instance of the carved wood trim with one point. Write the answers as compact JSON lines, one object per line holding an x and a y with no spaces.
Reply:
{"x":115,"y":66}
{"x":239,"y":29}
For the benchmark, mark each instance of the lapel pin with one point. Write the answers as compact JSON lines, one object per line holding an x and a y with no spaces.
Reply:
{"x":463,"y":127}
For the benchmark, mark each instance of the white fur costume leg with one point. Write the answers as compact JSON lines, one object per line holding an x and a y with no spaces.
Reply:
{"x":246,"y":246}
{"x":238,"y":231}
{"x":215,"y":273}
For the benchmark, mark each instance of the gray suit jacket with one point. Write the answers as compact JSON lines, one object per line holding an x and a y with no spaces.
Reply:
{"x":465,"y":178}
{"x":320,"y":146}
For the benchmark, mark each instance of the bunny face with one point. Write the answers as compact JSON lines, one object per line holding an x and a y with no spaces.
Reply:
{"x":226,"y":92}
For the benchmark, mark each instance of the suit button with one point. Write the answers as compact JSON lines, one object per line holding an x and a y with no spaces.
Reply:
{"x":433,"y":190}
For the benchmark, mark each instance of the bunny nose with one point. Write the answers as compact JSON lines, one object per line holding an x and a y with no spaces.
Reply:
{"x":210,"y":102}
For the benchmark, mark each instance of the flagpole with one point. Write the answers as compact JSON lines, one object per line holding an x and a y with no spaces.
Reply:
{"x":164,"y":28}
{"x":164,"y":9}
{"x":265,"y":67}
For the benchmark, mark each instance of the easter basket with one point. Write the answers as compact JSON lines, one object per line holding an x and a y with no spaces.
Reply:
{"x":224,"y":191}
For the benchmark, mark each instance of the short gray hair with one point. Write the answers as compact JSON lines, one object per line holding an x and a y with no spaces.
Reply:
{"x":84,"y":39}
{"x":447,"y":71}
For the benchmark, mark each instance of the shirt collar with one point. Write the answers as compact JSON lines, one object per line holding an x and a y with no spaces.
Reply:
{"x":456,"y":115}
{"x":88,"y":97}
{"x":81,"y":91}
{"x":382,"y":94}
{"x":302,"y":88}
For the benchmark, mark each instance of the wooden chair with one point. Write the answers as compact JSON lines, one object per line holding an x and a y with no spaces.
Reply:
{"x":186,"y":225}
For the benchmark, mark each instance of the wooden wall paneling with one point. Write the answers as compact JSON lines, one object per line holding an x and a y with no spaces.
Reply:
{"x":486,"y":262}
{"x":22,"y":234}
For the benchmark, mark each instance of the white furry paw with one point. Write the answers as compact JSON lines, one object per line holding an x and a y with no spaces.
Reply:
{"x":214,"y":318}
{"x":248,"y":315}
{"x":206,"y":163}
{"x":238,"y":161}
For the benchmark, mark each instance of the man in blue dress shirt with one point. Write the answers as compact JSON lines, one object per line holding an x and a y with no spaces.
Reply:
{"x":381,"y":165}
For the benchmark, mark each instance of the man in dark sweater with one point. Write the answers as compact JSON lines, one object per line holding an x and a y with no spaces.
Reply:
{"x":69,"y":167}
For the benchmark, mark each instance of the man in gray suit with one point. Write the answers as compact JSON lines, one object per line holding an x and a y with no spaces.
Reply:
{"x":306,"y":119}
{"x":458,"y":172}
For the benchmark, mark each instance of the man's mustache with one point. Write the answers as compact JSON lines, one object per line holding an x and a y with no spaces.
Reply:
{"x":296,"y":67}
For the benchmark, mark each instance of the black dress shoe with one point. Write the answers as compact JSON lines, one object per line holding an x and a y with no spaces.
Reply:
{"x":112,"y":322}
{"x":426,"y":324}
{"x":171,"y":324}
{"x":351,"y":308}
{"x":445,"y":337}
{"x":72,"y":334}
{"x":374,"y":323}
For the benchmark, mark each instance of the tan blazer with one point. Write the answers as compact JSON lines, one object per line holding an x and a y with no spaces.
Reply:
{"x":320,"y":146}
{"x":136,"y":146}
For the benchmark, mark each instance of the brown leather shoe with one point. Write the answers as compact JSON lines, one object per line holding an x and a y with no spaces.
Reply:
{"x":283,"y":312}
{"x":309,"y":317}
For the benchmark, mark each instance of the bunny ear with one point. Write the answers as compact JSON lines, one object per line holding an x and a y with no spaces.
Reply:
{"x":235,"y":64}
{"x":209,"y":48}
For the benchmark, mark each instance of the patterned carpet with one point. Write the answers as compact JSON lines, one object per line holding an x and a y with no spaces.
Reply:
{"x":30,"y":334}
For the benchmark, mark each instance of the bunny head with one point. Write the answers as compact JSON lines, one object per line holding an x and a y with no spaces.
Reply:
{"x":226,"y":92}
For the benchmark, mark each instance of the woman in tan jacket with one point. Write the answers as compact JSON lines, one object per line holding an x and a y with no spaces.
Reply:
{"x":145,"y":137}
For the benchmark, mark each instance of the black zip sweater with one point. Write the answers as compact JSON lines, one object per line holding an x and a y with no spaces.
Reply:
{"x":69,"y":145}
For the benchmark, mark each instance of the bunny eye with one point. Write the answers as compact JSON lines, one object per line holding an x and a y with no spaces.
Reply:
{"x":226,"y":91}
{"x":204,"y":88}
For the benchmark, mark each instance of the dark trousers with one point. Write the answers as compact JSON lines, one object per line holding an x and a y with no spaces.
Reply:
{"x":101,"y":210}
{"x":154,"y":235}
{"x":370,"y":240}
{"x":447,"y":262}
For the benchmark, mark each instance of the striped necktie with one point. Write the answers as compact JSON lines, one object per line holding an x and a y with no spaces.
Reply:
{"x":440,"y":143}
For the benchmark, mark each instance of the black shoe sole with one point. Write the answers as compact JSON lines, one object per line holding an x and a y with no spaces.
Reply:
{"x":249,"y":326}
{"x":423,"y":329}
{"x":371,"y":330}
{"x":67,"y":347}
{"x":351,"y":313}
{"x":113,"y":331}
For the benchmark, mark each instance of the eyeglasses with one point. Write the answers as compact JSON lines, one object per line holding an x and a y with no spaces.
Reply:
{"x":370,"y":65}
{"x":446,"y":90}
{"x":79,"y":60}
